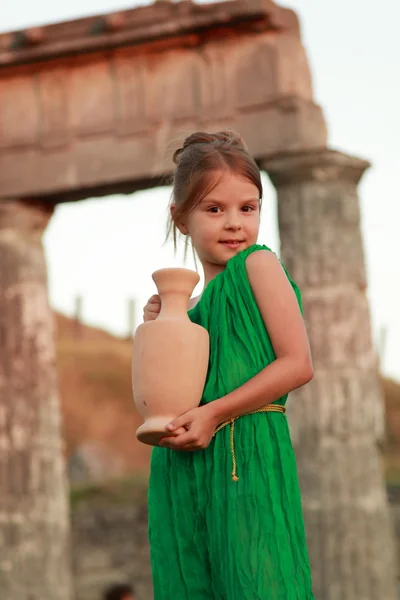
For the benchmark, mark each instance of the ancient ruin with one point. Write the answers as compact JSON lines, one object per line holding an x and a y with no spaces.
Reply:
{"x":87,"y":108}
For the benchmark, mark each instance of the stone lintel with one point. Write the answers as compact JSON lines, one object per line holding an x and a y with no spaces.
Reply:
{"x":152,"y":23}
{"x":319,"y":164}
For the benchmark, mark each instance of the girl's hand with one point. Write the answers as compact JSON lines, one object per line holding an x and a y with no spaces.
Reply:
{"x":199,"y":423}
{"x":152,"y":308}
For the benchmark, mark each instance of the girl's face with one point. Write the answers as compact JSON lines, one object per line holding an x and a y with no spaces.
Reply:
{"x":226,"y":221}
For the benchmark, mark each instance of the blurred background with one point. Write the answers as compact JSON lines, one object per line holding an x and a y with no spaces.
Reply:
{"x":101,"y":252}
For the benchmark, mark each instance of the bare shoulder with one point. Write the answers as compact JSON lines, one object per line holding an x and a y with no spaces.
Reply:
{"x":262,"y":262}
{"x":261,"y":256}
{"x":278,"y":306}
{"x":270,"y":284}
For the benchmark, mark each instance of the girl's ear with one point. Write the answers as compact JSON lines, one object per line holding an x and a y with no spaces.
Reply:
{"x":181,"y":226}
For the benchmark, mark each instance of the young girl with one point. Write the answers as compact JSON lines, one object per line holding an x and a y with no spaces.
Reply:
{"x":225,"y":516}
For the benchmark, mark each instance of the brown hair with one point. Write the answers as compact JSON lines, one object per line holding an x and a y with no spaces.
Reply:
{"x":198,"y":162}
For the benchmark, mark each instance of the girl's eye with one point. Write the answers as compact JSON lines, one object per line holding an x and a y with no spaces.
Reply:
{"x":213,"y":209}
{"x":248,"y":208}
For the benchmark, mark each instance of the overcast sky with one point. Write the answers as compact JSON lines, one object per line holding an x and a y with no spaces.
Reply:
{"x":106,"y":249}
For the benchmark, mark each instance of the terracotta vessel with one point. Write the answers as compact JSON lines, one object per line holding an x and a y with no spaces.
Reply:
{"x":170,"y":357}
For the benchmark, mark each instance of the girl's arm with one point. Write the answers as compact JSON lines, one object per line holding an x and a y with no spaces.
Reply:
{"x":280,"y":311}
{"x":292,"y":368}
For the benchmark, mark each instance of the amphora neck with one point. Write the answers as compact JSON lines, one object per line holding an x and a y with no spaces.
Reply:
{"x":175,"y":286}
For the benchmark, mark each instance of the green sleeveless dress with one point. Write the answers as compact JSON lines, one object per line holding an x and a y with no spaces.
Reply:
{"x":212,"y":538}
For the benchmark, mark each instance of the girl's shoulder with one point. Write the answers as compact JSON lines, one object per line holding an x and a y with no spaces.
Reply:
{"x":236,"y":267}
{"x":236,"y":270}
{"x":241,"y":257}
{"x":256,"y":248}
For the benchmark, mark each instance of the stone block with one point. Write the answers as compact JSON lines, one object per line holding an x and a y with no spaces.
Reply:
{"x":256,"y":73}
{"x":132,"y":93}
{"x":215,"y":81}
{"x":54,"y":109}
{"x":19,"y":111}
{"x":92,"y":96}
{"x":172,"y":87}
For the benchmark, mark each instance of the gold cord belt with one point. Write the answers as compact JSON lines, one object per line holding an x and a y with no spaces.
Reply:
{"x":269,"y":408}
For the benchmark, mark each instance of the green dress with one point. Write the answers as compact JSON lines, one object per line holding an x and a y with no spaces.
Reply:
{"x":212,"y":538}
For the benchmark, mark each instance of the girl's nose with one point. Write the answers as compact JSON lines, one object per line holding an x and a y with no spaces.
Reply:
{"x":233,"y":222}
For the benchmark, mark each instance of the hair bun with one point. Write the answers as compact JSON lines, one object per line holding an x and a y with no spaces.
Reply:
{"x":217,"y":140}
{"x":232,"y":138}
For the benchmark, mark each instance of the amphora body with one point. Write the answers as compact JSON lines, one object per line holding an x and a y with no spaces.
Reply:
{"x":170,"y":357}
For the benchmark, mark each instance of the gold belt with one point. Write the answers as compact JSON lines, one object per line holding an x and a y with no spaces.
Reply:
{"x":268,"y":408}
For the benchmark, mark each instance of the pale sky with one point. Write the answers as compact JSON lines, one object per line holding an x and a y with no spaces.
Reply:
{"x":106,"y":249}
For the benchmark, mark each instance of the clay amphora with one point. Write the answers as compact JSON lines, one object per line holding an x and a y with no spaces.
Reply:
{"x":170,"y":357}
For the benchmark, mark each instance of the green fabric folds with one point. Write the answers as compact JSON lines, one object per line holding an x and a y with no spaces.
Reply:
{"x":212,"y":538}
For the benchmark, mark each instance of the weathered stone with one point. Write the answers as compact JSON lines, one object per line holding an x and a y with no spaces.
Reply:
{"x":172,"y":90}
{"x":77,"y":126}
{"x":55,"y":129}
{"x":92,"y":97}
{"x":336,"y":420}
{"x":271,"y":67}
{"x":110,"y":545}
{"x":132,"y":92}
{"x":215,"y":81}
{"x":34,"y":528}
{"x":19,"y":113}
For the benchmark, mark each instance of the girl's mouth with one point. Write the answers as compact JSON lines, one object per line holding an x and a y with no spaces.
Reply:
{"x":232,"y":243}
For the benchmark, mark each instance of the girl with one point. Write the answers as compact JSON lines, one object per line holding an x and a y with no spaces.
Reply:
{"x":225,"y":516}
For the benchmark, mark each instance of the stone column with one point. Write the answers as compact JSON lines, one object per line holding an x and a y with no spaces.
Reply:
{"x":34,"y":523}
{"x":337,"y":420}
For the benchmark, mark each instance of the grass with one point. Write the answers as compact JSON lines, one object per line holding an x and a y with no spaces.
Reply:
{"x":126,"y":490}
{"x":392,"y":467}
{"x":391,"y":450}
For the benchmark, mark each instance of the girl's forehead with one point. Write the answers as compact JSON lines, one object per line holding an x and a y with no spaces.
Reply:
{"x":233,"y":186}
